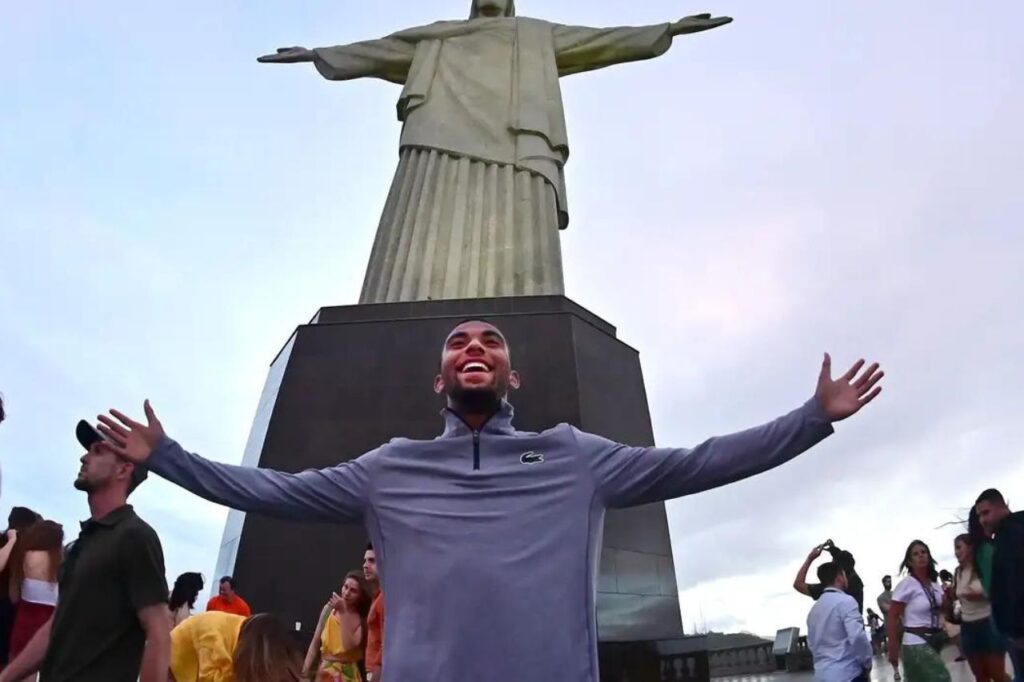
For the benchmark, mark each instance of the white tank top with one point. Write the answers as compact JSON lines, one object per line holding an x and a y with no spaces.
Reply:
{"x":39,"y":592}
{"x":971,"y":611}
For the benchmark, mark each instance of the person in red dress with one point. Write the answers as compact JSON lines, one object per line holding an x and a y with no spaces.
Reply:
{"x":33,"y":587}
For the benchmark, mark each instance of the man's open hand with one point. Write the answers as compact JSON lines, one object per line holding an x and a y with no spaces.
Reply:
{"x":130,"y":439}
{"x":844,"y":397}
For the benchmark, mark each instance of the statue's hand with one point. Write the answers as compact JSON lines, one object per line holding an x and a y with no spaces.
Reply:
{"x":698,"y":23}
{"x":287,"y":55}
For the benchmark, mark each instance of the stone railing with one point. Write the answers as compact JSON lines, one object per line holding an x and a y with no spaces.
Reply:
{"x":747,"y":660}
{"x":688,"y":660}
{"x":691,"y":667}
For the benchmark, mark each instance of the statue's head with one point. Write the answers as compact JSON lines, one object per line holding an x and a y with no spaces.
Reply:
{"x":492,"y":8}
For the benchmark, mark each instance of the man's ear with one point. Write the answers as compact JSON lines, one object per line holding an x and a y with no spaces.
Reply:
{"x":514,"y":381}
{"x":438,"y":384}
{"x":126,"y":469}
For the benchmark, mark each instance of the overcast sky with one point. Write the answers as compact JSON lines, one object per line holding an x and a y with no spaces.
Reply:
{"x":842,"y":176}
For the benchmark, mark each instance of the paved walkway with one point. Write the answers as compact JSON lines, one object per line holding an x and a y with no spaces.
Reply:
{"x":881,"y":673}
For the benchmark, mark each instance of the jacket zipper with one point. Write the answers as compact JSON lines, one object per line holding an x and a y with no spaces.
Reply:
{"x":476,"y":437}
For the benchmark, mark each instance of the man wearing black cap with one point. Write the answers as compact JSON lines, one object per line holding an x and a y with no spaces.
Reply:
{"x":111,"y":620}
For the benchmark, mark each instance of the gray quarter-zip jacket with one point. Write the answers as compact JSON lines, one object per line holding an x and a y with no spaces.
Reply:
{"x":488,"y":542}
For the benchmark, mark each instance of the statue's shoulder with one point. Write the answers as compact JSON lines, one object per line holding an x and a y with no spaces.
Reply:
{"x":534,"y":26}
{"x":533,"y":22}
{"x":436,"y":30}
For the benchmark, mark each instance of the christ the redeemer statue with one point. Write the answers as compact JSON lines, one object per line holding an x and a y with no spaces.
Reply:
{"x":479,"y":194}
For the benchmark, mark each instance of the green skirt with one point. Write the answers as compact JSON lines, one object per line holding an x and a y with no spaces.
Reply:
{"x":922,"y":664}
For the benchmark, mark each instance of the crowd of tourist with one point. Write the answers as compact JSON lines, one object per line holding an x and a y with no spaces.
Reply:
{"x":115,"y":619}
{"x":979,"y":607}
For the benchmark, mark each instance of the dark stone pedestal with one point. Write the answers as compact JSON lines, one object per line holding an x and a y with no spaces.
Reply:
{"x":357,"y":376}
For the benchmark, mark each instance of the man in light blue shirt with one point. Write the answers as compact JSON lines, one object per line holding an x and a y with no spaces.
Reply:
{"x":835,"y":632}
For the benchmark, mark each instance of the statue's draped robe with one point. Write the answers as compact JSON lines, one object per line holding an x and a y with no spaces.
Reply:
{"x":479,"y":194}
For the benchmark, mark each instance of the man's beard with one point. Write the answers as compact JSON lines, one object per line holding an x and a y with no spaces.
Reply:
{"x":84,"y":485}
{"x":475,"y":400}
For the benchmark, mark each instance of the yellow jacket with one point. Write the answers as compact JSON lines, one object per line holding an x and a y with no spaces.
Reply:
{"x":203,"y":647}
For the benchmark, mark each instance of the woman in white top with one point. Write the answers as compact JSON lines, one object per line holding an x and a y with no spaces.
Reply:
{"x":33,"y":587}
{"x":183,"y":597}
{"x":917,"y":604}
{"x":982,"y":645}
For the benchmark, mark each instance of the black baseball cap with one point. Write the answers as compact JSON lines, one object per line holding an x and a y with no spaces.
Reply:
{"x":88,"y":436}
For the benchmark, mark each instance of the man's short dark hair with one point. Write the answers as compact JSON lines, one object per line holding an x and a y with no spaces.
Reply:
{"x":2,"y":413}
{"x":886,"y":577}
{"x":227,"y":579}
{"x":992,"y":496}
{"x":828,"y":572}
{"x":369,"y":546}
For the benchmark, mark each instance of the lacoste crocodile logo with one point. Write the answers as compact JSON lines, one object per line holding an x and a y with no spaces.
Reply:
{"x":531,"y":458}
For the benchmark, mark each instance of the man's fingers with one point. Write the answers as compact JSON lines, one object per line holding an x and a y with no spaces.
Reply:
{"x":113,"y":426}
{"x":125,"y":419}
{"x":866,"y":375}
{"x":870,"y":396}
{"x":117,"y":443}
{"x":852,"y":372}
{"x":826,"y":369}
{"x":150,"y":413}
{"x":870,"y":383}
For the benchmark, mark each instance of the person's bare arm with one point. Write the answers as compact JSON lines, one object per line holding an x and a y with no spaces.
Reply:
{"x":156,"y":661}
{"x":5,"y":551}
{"x":314,"y":644}
{"x":31,"y":657}
{"x":800,"y":582}
{"x":892,"y":626}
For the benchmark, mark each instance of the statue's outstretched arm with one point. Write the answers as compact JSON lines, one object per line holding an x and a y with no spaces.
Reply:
{"x":386,"y":58}
{"x":581,"y":48}
{"x":288,"y":55}
{"x":698,"y":23}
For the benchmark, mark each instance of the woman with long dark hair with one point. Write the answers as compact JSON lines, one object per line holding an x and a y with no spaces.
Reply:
{"x":186,"y":590}
{"x":33,"y":584}
{"x":340,"y":637}
{"x":18,"y":521}
{"x":917,"y":604}
{"x":982,"y":646}
{"x":225,"y":646}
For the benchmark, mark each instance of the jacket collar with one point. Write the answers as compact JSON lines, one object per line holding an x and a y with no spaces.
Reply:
{"x":110,"y":520}
{"x":499,"y":423}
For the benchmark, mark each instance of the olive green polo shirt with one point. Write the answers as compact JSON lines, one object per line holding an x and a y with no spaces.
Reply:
{"x":114,"y":569}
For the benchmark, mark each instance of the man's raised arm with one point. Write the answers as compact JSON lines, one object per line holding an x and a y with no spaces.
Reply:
{"x":627,"y":476}
{"x":335,"y":494}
